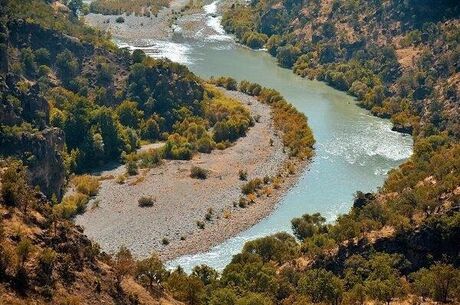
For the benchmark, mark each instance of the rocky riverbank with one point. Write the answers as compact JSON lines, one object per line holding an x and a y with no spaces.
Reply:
{"x":170,"y":226}
{"x":137,"y":30}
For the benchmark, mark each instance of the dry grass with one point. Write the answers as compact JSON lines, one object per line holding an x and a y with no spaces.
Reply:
{"x":86,"y":184}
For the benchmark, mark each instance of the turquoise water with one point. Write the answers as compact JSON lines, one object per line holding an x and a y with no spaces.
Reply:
{"x":354,"y":150}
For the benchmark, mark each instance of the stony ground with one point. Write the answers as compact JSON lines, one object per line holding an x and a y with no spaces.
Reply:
{"x":114,"y":217}
{"x":138,"y":30}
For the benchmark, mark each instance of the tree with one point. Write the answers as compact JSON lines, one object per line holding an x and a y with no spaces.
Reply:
{"x":318,"y":245}
{"x":223,"y":296}
{"x":254,"y":299}
{"x":355,"y":296}
{"x":328,"y":54}
{"x":151,"y":270}
{"x":321,"y":286}
{"x":255,"y":40}
{"x":123,"y":264}
{"x":308,"y":225}
{"x":67,"y":65}
{"x":104,"y":74}
{"x":279,"y":247}
{"x":384,"y":290}
{"x":128,"y":114}
{"x":15,"y":188}
{"x":46,"y":262}
{"x":437,"y":282}
{"x":138,"y":56}
{"x":75,"y":6}
{"x":150,"y":129}
{"x":184,"y":288}
{"x":205,"y":273}
{"x":23,"y":250}
{"x":29,"y":66}
{"x":42,"y":56}
{"x":287,"y":55}
{"x":106,"y":122}
{"x":272,"y":44}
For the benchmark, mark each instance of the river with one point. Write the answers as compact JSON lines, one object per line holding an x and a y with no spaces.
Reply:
{"x":353,"y":151}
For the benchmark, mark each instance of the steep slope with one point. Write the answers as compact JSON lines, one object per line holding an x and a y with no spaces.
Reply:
{"x":399,"y":58}
{"x":47,"y":260}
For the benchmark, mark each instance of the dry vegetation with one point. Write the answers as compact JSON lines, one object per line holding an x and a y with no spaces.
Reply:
{"x":137,"y":7}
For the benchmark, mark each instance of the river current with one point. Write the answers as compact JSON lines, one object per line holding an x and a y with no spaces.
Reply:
{"x":354,"y":150}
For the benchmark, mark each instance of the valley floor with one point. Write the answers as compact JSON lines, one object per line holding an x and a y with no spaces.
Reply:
{"x":114,"y":217}
{"x":138,"y":29}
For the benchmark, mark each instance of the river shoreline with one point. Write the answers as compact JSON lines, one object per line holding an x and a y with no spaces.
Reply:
{"x":169,"y":228}
{"x":354,"y":149}
{"x":138,"y":29}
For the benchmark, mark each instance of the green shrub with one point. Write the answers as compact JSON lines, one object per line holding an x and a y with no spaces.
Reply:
{"x":86,"y":184}
{"x":132,"y":168}
{"x":209,"y":214}
{"x":146,"y":201}
{"x":254,"y":40}
{"x":71,"y":205}
{"x":198,"y":173}
{"x":120,"y":19}
{"x":251,"y":186}
{"x":243,"y":175}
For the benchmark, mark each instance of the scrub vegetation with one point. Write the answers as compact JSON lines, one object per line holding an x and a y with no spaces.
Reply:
{"x":71,"y":102}
{"x":136,"y":7}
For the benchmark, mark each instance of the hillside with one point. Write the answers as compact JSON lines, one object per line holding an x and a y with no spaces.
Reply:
{"x":71,"y":103}
{"x":398,"y":245}
{"x":48,"y":260}
{"x":399,"y":58}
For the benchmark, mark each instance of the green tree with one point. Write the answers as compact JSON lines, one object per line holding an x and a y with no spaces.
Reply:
{"x":138,"y":56}
{"x":206,"y":274}
{"x":186,"y":289}
{"x":254,"y":299}
{"x":67,"y":65}
{"x":439,"y":282}
{"x":150,"y":129}
{"x":42,"y":56}
{"x":123,"y":264}
{"x":29,"y":66}
{"x":321,"y":286}
{"x":15,"y":188}
{"x":75,"y":6}
{"x":223,"y":296}
{"x":287,"y":55}
{"x":151,"y":271}
{"x":23,"y":250}
{"x":105,"y":120}
{"x":279,"y":247}
{"x":128,"y":114}
{"x":308,"y":225}
{"x":384,"y":290}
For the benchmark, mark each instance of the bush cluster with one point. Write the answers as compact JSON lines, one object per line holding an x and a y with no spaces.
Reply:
{"x":198,"y":173}
{"x":297,"y":135}
{"x":146,"y":201}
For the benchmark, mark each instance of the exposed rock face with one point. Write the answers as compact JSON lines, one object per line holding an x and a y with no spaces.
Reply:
{"x":33,"y":107}
{"x":41,"y":152}
{"x":48,"y":172}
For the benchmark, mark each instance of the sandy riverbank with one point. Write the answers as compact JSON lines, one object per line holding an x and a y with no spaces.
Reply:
{"x":138,"y":30}
{"x":182,"y":201}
